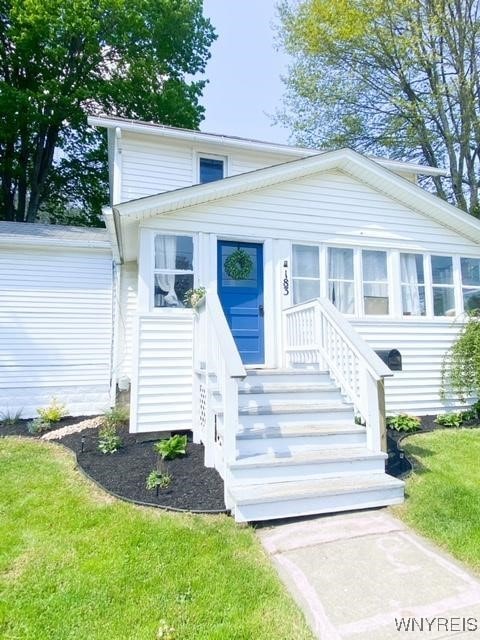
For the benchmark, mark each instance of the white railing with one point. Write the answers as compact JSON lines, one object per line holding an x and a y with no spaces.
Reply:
{"x":217,"y":371}
{"x":316,"y":333}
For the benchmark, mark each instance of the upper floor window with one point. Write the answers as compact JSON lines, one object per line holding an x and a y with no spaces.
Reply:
{"x":375,"y":283}
{"x":470,"y":268}
{"x":412,"y":277}
{"x":173,"y":270}
{"x":341,"y":281}
{"x":210,"y":169}
{"x":305,"y":273}
{"x":443,"y":286}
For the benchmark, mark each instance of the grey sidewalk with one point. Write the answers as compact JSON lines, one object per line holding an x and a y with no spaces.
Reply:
{"x":357,"y":575}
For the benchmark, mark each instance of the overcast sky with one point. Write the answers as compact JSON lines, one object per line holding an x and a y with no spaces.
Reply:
{"x":244,"y":70}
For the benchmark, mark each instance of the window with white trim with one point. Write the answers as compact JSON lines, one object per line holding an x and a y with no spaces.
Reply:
{"x":210,"y":168}
{"x":305,"y":272}
{"x":375,"y":283}
{"x":412,"y":277}
{"x":173,"y":270}
{"x":443,"y":286}
{"x":341,"y":280}
{"x":470,"y":268}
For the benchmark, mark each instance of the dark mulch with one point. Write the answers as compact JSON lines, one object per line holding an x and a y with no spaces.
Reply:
{"x":20,"y":428}
{"x":193,"y":486}
{"x":398,"y":464}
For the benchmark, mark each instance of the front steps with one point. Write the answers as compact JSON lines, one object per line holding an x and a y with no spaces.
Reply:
{"x":299,"y":451}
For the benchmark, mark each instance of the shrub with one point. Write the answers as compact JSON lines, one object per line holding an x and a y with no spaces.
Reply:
{"x":8,"y":419}
{"x":158,"y":479}
{"x":53,"y":413}
{"x":472,"y":413}
{"x":108,"y":439}
{"x":172,"y":447}
{"x":116,"y":417}
{"x":461,"y":364}
{"x":403,"y":422}
{"x":450,"y":420}
{"x":38,"y":425}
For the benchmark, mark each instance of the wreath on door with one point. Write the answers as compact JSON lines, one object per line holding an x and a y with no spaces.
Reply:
{"x":238,"y":265}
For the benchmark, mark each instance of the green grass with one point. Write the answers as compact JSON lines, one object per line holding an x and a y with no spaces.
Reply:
{"x":443,"y":493}
{"x":77,"y":564}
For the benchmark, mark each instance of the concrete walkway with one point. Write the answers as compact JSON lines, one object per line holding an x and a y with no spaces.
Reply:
{"x":366,"y":575}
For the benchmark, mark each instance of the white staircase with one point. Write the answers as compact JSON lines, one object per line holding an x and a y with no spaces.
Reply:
{"x":285,"y":441}
{"x":299,"y":451}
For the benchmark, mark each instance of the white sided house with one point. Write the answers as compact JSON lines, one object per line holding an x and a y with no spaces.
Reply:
{"x":312,"y":262}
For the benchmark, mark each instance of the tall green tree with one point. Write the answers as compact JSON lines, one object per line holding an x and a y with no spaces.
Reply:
{"x":63,"y":59}
{"x":392,"y":77}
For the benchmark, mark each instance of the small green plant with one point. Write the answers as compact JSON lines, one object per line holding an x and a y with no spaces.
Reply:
{"x":158,"y":480}
{"x":172,"y":447}
{"x":53,"y":413}
{"x":450,"y":420}
{"x":193,"y":296}
{"x":108,"y":439}
{"x":117,"y":416}
{"x":472,"y":413}
{"x":403,"y":422}
{"x":8,"y":419}
{"x":38,"y":425}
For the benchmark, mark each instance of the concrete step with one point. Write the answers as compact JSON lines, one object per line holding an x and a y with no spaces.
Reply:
{"x":299,"y":436}
{"x":291,"y":499}
{"x":307,"y":464}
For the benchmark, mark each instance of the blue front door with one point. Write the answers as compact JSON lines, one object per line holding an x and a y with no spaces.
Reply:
{"x":241,"y":295}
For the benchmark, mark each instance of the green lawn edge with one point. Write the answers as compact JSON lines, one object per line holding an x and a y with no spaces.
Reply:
{"x":443,"y":491}
{"x":77,"y":564}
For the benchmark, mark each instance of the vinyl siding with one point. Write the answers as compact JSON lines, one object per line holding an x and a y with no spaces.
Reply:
{"x":162,"y":387}
{"x":126,"y":320}
{"x":150,"y":166}
{"x":55,"y":329}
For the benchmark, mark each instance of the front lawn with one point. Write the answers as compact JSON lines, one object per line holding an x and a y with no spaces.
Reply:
{"x":443,"y":492}
{"x":76,"y":564}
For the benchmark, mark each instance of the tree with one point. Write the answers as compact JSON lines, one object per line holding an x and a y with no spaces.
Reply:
{"x":392,"y":77}
{"x":60,"y":60}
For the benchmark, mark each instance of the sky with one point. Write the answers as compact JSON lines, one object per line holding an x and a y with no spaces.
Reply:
{"x":244,"y":71}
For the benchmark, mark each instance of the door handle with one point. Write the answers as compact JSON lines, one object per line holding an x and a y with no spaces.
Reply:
{"x":260,"y":310}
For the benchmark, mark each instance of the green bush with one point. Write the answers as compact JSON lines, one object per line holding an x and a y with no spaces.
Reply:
{"x":172,"y":448}
{"x":158,"y":479}
{"x":116,"y":417}
{"x":450,"y":420}
{"x":53,"y":413}
{"x":38,"y":425}
{"x":461,"y":364}
{"x":403,"y":422}
{"x":8,"y":419}
{"x":108,"y":439}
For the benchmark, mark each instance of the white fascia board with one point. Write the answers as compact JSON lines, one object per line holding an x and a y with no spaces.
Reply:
{"x":248,"y":145}
{"x":360,"y":167}
{"x":108,"y":218}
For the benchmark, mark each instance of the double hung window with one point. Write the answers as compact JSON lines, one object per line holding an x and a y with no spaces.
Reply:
{"x":375,"y":283}
{"x":341,"y":282}
{"x":173,"y":270}
{"x":470,"y":268}
{"x":305,"y":273}
{"x":412,"y":277}
{"x":443,"y":286}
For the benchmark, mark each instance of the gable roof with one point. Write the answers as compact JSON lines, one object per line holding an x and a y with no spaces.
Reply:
{"x":202,"y":137}
{"x":123,"y":217}
{"x":36,"y":234}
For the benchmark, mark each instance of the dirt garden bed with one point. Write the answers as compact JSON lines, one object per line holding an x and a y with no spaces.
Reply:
{"x":193,"y":486}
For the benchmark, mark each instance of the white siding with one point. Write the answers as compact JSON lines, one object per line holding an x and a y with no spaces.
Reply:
{"x":416,"y":388}
{"x":55,"y":329}
{"x":151,"y":166}
{"x":162,"y":387}
{"x":126,"y":319}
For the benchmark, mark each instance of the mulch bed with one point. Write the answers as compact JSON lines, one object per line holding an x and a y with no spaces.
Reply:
{"x":194,"y":487}
{"x":20,"y":428}
{"x":398,"y":464}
